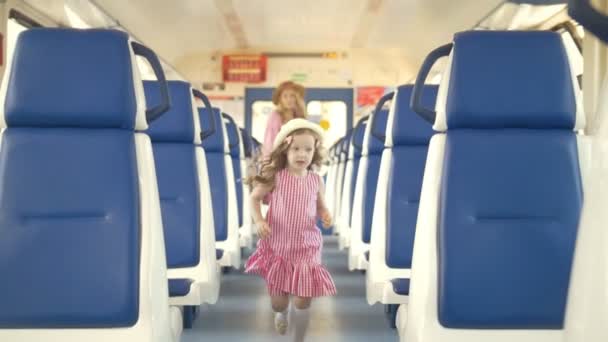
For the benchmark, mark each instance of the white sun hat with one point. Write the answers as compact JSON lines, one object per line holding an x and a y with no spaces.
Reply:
{"x":293,"y":125}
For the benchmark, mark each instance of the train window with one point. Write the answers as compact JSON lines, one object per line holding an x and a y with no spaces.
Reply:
{"x":332,"y":116}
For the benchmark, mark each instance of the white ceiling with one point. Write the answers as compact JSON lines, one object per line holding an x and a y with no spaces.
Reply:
{"x":180,"y":28}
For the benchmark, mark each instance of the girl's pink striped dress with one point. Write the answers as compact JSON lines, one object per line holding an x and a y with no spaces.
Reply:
{"x":290,"y":258}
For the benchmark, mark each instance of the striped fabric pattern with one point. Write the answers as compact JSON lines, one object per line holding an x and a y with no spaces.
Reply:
{"x":290,"y":258}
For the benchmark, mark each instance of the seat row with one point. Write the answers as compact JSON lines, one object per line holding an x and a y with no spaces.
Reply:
{"x":478,"y":202}
{"x":119,"y":198}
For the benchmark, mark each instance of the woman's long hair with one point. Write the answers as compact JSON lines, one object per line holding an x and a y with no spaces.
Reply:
{"x":277,"y":160}
{"x":286,"y":114}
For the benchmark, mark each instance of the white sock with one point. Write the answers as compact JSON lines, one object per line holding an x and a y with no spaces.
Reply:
{"x":280,"y":322}
{"x":300,"y":323}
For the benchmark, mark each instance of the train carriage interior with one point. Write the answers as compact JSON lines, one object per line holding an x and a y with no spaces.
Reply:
{"x":465,"y":163}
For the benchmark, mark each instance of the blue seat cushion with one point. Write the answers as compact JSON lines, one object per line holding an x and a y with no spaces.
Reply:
{"x":247,"y":143}
{"x":179,"y":287}
{"x":214,"y":142}
{"x":405,"y":184}
{"x":53,"y":91}
{"x":375,"y":145}
{"x":179,"y":198}
{"x":358,"y":135}
{"x":369,"y":195}
{"x":69,"y":229}
{"x":535,"y":89}
{"x":409,"y":129}
{"x":353,"y":185}
{"x":219,"y":253}
{"x":401,"y":286}
{"x":236,"y":167}
{"x":233,"y":139}
{"x":216,"y":168}
{"x":510,"y":208}
{"x":177,"y":124}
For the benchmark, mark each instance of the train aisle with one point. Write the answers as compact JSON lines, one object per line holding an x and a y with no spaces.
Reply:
{"x":243,"y":311}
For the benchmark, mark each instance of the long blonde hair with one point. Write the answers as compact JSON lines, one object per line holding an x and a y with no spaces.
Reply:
{"x":285,"y":113}
{"x":277,"y":160}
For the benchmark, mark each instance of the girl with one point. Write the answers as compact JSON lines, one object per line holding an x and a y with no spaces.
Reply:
{"x":288,"y":98}
{"x":288,"y":256}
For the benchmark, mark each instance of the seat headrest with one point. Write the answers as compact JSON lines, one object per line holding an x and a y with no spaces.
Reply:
{"x":345,"y":143}
{"x":359,"y":134}
{"x":375,"y":141}
{"x":337,"y":147}
{"x":73,"y":78}
{"x":232,"y":131}
{"x":180,"y":123}
{"x":214,"y":142}
{"x":408,"y":128}
{"x":246,"y":142}
{"x":509,"y":79}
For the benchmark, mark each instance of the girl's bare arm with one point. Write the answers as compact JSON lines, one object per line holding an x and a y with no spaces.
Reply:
{"x":322,"y":210}
{"x":257,"y":195}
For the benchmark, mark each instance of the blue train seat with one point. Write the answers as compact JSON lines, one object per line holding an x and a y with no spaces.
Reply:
{"x":237,"y":154}
{"x":223,"y":190}
{"x":350,"y":177}
{"x":183,"y":182}
{"x":502,"y":194}
{"x":81,"y":236}
{"x":398,"y":193}
{"x":365,"y":189}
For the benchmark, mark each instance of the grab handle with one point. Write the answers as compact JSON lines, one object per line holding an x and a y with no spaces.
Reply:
{"x":165,"y":102}
{"x":416,"y":99}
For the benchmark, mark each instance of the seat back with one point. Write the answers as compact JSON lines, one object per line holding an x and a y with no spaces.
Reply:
{"x":215,"y":147}
{"x":410,"y":138}
{"x":185,"y":196}
{"x":362,"y":199}
{"x":342,"y":154}
{"x":357,"y":149}
{"x":373,"y":153}
{"x":521,"y":152}
{"x":247,"y":143}
{"x":81,"y":249}
{"x":173,"y":137}
{"x":351,"y":168}
{"x":234,"y":145}
{"x":502,"y":192}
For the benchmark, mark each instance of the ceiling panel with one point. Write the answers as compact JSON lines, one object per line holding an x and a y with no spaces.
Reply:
{"x":417,"y":27}
{"x":176,"y":29}
{"x":311,"y":24}
{"x":172,"y":28}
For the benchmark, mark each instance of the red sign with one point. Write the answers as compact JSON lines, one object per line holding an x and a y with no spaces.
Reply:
{"x":244,"y":68}
{"x":367,"y":96}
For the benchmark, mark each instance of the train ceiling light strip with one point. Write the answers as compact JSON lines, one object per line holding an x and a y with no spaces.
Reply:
{"x":326,"y":55}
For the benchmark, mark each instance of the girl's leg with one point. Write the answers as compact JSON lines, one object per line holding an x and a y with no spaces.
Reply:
{"x":280,"y":302}
{"x":301,"y":317}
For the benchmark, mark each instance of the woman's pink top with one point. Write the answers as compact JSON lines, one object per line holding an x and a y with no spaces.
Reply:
{"x":272,"y":129}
